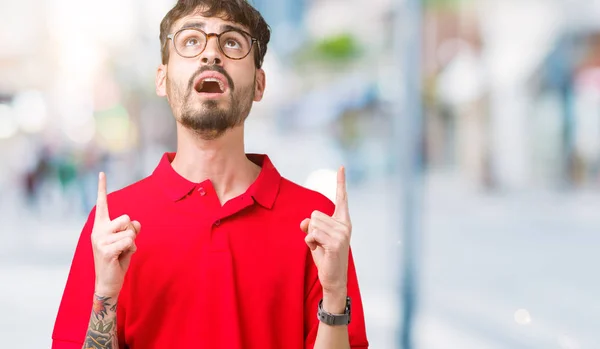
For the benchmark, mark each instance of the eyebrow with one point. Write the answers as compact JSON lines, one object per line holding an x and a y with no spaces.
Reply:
{"x":193,"y":24}
{"x":202,"y":26}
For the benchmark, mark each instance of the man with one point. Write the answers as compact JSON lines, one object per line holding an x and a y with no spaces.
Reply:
{"x":228,"y":254}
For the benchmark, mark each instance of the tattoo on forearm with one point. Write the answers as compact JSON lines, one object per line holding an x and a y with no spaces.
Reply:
{"x":102,"y":331}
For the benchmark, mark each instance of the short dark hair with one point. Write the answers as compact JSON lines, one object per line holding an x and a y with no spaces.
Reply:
{"x":237,"y":11}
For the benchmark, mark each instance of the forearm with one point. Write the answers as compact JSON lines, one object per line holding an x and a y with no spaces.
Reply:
{"x":333,"y":337}
{"x":102,"y":330}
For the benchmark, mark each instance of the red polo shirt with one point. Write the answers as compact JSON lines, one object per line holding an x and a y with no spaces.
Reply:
{"x":210,"y":276}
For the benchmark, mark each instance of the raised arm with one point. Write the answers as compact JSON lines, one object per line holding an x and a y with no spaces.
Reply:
{"x":113,"y":243}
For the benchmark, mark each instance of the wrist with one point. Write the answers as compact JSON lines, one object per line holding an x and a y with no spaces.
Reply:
{"x":106,"y":292}
{"x":104,"y":289}
{"x":335,"y":302}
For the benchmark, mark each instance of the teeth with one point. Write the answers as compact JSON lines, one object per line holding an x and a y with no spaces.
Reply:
{"x":221,"y":86}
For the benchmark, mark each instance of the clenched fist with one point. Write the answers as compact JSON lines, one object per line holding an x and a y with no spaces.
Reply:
{"x":113,"y":243}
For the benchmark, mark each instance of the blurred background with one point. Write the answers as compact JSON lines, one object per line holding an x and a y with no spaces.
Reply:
{"x":470,"y":130}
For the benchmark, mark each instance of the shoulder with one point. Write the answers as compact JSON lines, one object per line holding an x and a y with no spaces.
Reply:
{"x":133,"y":191}
{"x":303,"y":199}
{"x":136,"y":196}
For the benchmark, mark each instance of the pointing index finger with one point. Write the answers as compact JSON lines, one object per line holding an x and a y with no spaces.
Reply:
{"x":341,"y":196}
{"x":101,"y":202}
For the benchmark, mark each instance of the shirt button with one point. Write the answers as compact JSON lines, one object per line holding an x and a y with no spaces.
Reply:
{"x":202,"y":191}
{"x":217,"y":222}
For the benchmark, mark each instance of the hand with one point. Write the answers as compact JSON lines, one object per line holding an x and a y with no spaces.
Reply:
{"x":329,"y":241}
{"x":113,"y":243}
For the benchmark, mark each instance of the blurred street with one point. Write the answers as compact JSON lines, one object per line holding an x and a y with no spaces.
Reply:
{"x":510,"y":271}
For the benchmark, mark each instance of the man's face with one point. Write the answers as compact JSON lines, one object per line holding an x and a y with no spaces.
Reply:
{"x":209,"y":93}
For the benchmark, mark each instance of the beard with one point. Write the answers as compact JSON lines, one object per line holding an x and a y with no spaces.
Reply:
{"x":213,"y":117}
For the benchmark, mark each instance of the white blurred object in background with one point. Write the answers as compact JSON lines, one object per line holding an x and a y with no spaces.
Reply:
{"x":324,"y":181}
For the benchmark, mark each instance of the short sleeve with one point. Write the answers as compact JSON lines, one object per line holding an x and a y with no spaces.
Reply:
{"x":75,"y":308}
{"x":314,"y":292}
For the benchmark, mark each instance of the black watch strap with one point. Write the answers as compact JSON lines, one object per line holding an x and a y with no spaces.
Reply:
{"x":335,"y":319}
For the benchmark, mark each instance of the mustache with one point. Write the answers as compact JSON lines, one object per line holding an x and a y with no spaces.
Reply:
{"x":215,"y":68}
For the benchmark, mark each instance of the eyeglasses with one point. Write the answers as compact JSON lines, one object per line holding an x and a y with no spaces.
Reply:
{"x":234,"y":44}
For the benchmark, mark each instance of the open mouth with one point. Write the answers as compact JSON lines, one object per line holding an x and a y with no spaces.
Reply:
{"x":211,"y":86}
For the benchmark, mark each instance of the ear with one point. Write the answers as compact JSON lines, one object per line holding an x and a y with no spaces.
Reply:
{"x":259,"y":86}
{"x":161,"y":80}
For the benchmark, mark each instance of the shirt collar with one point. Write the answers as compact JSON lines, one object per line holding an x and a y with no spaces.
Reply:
{"x":264,"y":190}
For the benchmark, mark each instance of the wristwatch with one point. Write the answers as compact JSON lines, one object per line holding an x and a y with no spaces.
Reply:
{"x":335,"y":319}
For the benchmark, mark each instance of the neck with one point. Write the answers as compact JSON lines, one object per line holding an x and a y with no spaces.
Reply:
{"x":223,"y":161}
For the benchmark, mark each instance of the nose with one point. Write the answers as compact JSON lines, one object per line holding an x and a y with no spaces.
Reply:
{"x":212,"y":54}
